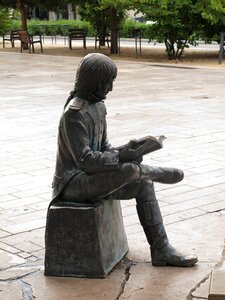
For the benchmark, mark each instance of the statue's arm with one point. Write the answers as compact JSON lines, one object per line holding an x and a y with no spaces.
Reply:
{"x":106,"y":146}
{"x":77,"y":139}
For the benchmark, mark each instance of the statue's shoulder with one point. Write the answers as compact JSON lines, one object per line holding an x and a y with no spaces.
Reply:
{"x":76,"y":104}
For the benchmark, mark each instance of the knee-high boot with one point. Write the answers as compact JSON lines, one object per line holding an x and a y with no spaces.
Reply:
{"x":161,"y":174}
{"x":162,"y":253}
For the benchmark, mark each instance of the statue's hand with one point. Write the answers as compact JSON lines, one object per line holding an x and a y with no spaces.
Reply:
{"x":139,"y":159}
{"x":128,"y":153}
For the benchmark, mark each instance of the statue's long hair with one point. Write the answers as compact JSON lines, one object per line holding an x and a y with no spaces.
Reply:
{"x":94,"y":72}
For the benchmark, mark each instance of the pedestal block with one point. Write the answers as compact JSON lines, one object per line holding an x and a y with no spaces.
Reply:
{"x":217,"y":285}
{"x":84,"y":241}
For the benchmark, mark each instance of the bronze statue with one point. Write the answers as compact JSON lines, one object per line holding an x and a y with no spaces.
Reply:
{"x":89,"y":169}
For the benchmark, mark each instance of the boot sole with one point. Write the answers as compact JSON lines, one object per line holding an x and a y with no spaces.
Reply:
{"x":166,"y":264}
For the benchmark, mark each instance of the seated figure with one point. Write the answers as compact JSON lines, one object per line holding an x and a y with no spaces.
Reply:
{"x":89,"y":169}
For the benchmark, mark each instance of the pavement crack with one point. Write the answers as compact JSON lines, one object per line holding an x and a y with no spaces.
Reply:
{"x":19,"y":277}
{"x":190,"y":294}
{"x":128,"y":264}
{"x":221,"y":210}
{"x":220,"y":263}
{"x":217,"y":266}
{"x":12,"y":266}
{"x":26,"y":290}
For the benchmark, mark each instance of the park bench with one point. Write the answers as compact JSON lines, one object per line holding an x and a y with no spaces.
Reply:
{"x":77,"y":34}
{"x":11,"y":37}
{"x":84,"y":240}
{"x":102,"y":39}
{"x":26,"y":40}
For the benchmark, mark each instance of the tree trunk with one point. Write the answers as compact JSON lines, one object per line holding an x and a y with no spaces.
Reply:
{"x":102,"y":36}
{"x":23,"y":14}
{"x":170,"y":49}
{"x":173,"y":52}
{"x":114,"y":32}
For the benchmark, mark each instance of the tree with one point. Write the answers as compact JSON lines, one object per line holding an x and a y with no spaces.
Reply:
{"x":22,"y":4}
{"x":175,"y":22}
{"x":21,"y":7}
{"x":5,"y":21}
{"x":98,"y":17}
{"x":117,"y":9}
{"x":178,"y":23}
{"x":103,"y":15}
{"x":213,"y":13}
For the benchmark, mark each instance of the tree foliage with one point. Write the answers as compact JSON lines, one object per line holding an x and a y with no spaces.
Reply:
{"x":213,"y":14}
{"x":118,"y":4}
{"x":175,"y":22}
{"x":96,"y":15}
{"x":5,"y":21}
{"x":22,"y":4}
{"x":178,"y":23}
{"x":105,"y":16}
{"x":48,"y":4}
{"x":212,"y":10}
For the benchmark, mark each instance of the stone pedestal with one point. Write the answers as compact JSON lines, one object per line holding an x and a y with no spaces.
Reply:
{"x":84,"y":241}
{"x":217,"y":285}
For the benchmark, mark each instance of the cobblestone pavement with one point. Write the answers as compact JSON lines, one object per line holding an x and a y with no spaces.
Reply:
{"x":185,"y":104}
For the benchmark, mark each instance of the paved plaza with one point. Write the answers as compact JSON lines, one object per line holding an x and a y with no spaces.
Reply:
{"x":186,"y":104}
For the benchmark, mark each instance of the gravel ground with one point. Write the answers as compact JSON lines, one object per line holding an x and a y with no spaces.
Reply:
{"x":201,"y":57}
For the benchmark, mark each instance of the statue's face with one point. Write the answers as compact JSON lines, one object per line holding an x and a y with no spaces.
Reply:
{"x":104,"y":90}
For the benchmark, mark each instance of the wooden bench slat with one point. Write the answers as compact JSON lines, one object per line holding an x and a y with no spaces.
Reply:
{"x":77,"y":34}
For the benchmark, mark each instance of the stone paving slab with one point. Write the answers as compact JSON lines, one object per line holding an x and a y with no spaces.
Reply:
{"x":185,"y":104}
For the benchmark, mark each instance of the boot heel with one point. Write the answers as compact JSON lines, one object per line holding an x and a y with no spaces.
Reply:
{"x":159,"y":263}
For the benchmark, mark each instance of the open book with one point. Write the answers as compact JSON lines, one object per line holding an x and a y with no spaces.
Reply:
{"x":145,"y":145}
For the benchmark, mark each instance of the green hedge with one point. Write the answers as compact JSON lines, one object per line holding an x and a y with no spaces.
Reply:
{"x":128,"y":27}
{"x":54,"y":27}
{"x":58,"y":27}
